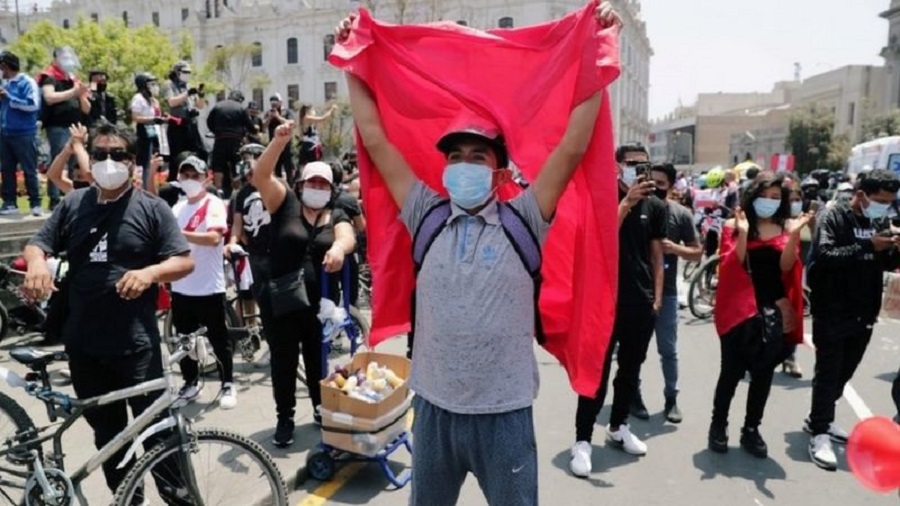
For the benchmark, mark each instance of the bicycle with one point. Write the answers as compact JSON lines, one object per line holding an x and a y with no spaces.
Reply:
{"x":37,"y":478}
{"x":702,"y":292}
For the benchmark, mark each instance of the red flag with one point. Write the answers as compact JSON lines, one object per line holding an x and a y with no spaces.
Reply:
{"x":735,"y":299}
{"x":527,"y":81}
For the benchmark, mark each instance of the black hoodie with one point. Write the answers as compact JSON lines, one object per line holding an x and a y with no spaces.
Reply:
{"x":845,"y":272}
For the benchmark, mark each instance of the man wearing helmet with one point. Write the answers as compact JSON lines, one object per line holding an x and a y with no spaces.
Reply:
{"x":230,"y":124}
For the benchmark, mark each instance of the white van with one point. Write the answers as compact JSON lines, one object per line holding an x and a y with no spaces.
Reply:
{"x":883,"y":153}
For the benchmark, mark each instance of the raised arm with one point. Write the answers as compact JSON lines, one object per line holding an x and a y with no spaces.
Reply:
{"x":318,"y":119}
{"x":271,"y":190}
{"x":559,"y":167}
{"x":396,"y":173}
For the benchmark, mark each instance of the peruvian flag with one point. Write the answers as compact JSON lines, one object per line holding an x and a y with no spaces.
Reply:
{"x":782,"y":163}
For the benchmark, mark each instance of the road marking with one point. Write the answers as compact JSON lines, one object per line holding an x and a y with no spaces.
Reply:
{"x":850,"y":394}
{"x":325,"y":491}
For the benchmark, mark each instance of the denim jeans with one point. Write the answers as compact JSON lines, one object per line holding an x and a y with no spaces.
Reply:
{"x":667,"y":343}
{"x":15,"y":152}
{"x":57,"y":136}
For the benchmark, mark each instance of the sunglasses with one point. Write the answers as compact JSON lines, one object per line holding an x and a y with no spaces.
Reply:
{"x":117,"y":155}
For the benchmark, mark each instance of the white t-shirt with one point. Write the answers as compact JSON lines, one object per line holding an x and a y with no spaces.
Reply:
{"x":140,"y":106}
{"x":206,"y":215}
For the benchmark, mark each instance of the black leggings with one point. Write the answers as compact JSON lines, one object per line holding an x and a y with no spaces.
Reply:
{"x":189,"y":313}
{"x":734,"y":366}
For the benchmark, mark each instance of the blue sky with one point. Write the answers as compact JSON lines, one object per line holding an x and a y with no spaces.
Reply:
{"x":733,"y":46}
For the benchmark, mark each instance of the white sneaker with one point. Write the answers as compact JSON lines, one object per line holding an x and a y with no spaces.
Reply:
{"x":837,"y":434}
{"x":580,"y":465}
{"x":821,"y":452}
{"x":8,"y":211}
{"x":189,"y":392}
{"x":623,"y":439}
{"x":228,"y":400}
{"x":37,"y":211}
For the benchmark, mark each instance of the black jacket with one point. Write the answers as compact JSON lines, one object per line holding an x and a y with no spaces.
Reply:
{"x":229,"y":120}
{"x":845,"y":273}
{"x":103,"y":105}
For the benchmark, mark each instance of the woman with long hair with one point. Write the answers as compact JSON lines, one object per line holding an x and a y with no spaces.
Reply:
{"x":310,"y":142}
{"x":759,"y":303}
{"x":308,"y":234}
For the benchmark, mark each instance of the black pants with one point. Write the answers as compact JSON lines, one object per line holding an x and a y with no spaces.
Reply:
{"x":225,"y":158}
{"x":286,"y":167}
{"x":895,"y":393}
{"x":95,"y":375}
{"x":179,"y":137}
{"x":285,"y":335}
{"x":735,"y":365}
{"x":840,"y":346}
{"x":189,"y":313}
{"x":632,"y":331}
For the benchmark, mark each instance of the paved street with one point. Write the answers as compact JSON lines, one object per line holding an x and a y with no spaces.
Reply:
{"x":678,"y":469}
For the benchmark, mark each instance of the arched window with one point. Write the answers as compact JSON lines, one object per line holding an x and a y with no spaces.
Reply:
{"x":257,"y":54}
{"x":292,"y":56}
{"x":505,"y":22}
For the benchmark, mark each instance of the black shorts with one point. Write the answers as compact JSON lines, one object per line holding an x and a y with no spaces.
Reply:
{"x":225,"y":156}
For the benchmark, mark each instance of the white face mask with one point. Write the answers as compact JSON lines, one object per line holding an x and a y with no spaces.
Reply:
{"x":191,"y":187}
{"x":110,"y":175}
{"x":184,"y":76}
{"x":315,"y":199}
{"x":629,"y":175}
{"x":154,"y":89}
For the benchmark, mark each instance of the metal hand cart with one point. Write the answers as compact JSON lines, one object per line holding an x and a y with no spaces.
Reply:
{"x":322,"y":462}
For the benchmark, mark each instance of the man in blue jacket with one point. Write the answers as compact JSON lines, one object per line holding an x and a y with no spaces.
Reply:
{"x":20,"y":104}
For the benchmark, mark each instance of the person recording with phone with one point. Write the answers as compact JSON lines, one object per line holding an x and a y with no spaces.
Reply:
{"x":185,"y":102}
{"x":103,"y":104}
{"x":642,"y":229}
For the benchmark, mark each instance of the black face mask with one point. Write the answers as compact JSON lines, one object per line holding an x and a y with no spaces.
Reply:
{"x":661,"y":194}
{"x":101,"y":87}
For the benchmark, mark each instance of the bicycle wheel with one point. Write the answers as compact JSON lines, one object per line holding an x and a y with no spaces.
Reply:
{"x":690,"y":268}
{"x":13,"y":420}
{"x":228,"y":468}
{"x":702,"y":293}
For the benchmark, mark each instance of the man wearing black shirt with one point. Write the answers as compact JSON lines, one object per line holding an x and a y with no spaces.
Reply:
{"x":230,"y":123}
{"x":642,"y":228}
{"x":111,"y":332}
{"x":66,"y":100}
{"x":255,"y":135}
{"x":276,"y":116}
{"x":852,"y":248}
{"x":103,"y":105}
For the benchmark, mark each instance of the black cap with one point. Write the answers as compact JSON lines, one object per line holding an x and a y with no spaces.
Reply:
{"x":10,"y":60}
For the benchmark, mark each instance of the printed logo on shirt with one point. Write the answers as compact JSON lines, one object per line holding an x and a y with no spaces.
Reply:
{"x":255,"y":214}
{"x":489,"y":255}
{"x":99,"y":253}
{"x":864,"y":234}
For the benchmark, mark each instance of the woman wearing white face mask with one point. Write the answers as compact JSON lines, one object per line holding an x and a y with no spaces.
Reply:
{"x":147,"y":116}
{"x":760,"y":295}
{"x":307,"y":235}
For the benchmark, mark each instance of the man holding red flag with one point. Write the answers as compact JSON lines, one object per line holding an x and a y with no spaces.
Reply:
{"x":474,"y":370}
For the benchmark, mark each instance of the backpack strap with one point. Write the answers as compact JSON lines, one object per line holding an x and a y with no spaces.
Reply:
{"x":431,"y":226}
{"x":527,"y":246}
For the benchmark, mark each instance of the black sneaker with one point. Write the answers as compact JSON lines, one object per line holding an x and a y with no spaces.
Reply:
{"x":638,"y":410}
{"x":673,"y":414}
{"x":284,"y":433}
{"x":753,"y":443}
{"x":718,"y":438}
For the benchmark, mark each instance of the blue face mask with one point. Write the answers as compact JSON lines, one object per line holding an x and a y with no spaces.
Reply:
{"x":766,"y":208}
{"x":796,"y":209}
{"x":876,"y":210}
{"x":469,"y":184}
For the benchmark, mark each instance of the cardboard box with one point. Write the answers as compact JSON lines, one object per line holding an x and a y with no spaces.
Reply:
{"x":364,"y":436}
{"x":335,"y":400}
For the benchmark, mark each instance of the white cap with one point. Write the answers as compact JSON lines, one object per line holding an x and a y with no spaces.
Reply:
{"x":192,"y":161}
{"x":317,"y":169}
{"x":845,"y":187}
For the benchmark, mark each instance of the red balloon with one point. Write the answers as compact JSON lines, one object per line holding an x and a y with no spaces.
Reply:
{"x":873,"y":453}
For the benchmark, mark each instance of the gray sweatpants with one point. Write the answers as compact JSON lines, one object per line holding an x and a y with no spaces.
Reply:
{"x":499,"y":449}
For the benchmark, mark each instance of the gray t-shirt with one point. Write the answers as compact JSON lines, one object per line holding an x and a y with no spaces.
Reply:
{"x":680,"y":230}
{"x":474,"y":351}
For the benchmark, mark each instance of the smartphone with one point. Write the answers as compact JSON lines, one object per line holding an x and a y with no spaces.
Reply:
{"x":814,"y":206}
{"x":642,"y":170}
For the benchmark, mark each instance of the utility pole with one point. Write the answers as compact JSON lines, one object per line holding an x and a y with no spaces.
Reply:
{"x":18,"y":25}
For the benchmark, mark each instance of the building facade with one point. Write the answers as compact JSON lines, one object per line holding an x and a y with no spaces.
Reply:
{"x":294,"y":38}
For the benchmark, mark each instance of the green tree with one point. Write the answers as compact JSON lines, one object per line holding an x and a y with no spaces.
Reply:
{"x":110,"y":46}
{"x":881,"y":125}
{"x":809,"y":138}
{"x":336,"y":132}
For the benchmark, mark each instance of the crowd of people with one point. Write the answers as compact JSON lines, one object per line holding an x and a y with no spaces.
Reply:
{"x":122,"y":242}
